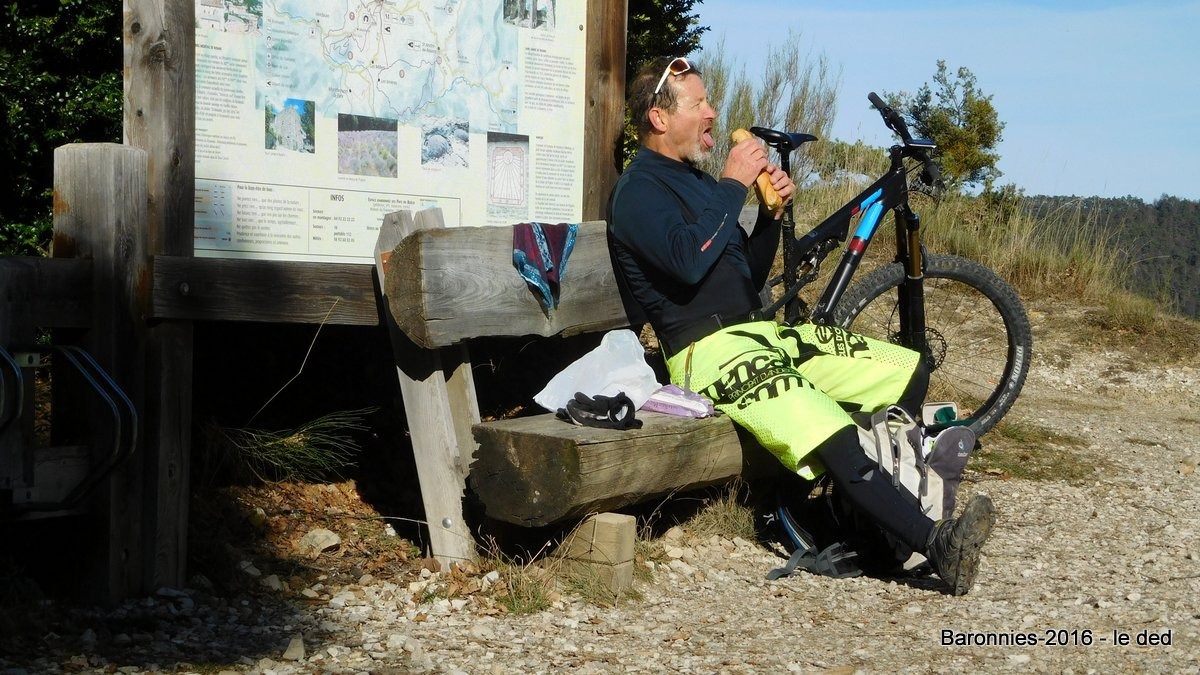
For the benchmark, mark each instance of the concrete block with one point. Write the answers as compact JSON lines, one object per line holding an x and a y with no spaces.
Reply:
{"x":605,"y":538}
{"x":616,"y":578}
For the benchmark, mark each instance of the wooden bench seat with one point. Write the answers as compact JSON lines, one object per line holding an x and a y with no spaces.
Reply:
{"x":540,"y":470}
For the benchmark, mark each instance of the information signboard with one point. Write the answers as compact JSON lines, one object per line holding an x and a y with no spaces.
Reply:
{"x":315,"y":118}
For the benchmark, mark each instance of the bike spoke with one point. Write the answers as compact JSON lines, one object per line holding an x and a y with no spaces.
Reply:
{"x":962,"y":353}
{"x":958,"y":371}
{"x":973,"y":322}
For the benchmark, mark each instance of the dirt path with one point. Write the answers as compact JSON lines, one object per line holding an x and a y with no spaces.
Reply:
{"x":1097,"y":548}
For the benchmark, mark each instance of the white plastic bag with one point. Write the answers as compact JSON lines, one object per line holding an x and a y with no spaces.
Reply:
{"x":618,"y":364}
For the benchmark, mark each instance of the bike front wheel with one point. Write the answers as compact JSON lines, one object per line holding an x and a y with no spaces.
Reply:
{"x":978,"y":341}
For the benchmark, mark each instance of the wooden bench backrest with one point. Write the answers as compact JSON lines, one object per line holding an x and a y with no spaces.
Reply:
{"x":447,"y":285}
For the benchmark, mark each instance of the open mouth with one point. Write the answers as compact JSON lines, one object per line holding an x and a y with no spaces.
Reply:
{"x":707,"y":137}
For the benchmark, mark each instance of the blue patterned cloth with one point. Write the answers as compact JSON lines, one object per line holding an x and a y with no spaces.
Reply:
{"x":540,"y":253}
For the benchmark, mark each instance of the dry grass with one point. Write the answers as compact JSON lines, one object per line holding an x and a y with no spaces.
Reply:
{"x":534,"y":586}
{"x":724,"y":515}
{"x":1021,"y":449}
{"x":312,"y":452}
{"x":525,"y":588}
{"x":1160,"y":338}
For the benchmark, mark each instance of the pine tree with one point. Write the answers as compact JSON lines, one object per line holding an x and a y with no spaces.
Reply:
{"x":961,"y":119}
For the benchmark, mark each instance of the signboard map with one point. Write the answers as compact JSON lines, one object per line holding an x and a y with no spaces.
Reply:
{"x":315,"y":118}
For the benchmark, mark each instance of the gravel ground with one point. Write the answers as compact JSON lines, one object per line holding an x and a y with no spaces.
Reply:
{"x":1099,"y":575}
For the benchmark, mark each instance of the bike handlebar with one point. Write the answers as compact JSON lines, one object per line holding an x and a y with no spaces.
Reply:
{"x":932,"y":173}
{"x":891,"y":118}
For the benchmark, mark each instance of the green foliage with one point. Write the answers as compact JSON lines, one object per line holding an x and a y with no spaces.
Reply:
{"x":957,"y":116}
{"x":60,"y":82}
{"x":656,"y":28}
{"x":660,"y":28}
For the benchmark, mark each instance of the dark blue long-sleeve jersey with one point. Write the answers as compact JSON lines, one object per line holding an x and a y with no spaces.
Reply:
{"x":676,"y":244}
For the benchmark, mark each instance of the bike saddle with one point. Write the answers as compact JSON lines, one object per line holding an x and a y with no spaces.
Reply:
{"x":782,"y":141}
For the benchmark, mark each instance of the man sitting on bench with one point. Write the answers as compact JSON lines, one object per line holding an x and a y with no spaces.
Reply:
{"x":685,"y":265}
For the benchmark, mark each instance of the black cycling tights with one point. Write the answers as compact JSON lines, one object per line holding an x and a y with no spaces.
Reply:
{"x":867,"y":487}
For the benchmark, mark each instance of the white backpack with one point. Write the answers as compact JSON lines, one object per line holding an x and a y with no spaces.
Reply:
{"x":925,"y":468}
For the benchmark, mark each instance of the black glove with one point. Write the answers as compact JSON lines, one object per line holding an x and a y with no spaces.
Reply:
{"x":605,"y":412}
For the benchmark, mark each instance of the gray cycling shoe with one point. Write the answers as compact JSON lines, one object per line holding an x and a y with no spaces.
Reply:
{"x":955,"y":544}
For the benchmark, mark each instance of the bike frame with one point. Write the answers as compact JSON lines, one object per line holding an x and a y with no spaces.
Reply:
{"x":805,"y":253}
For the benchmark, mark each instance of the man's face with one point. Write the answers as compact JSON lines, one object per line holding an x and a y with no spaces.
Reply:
{"x":688,"y":135}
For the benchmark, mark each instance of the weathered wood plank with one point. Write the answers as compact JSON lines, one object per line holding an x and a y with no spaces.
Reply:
{"x":538,"y":470}
{"x":604,"y":116}
{"x":159,"y":117}
{"x":216,"y":289}
{"x":448,"y":285}
{"x":16,"y":391}
{"x":54,"y":290}
{"x":439,"y":406}
{"x":57,"y":471}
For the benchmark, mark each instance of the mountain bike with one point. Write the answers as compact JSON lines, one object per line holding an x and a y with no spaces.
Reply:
{"x":967,"y":322}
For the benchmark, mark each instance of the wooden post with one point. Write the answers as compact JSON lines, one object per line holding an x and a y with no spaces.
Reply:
{"x":160,"y":95}
{"x":604,"y":116}
{"x":439,"y":403}
{"x":16,"y":328}
{"x":34,"y":292}
{"x":100,"y":213}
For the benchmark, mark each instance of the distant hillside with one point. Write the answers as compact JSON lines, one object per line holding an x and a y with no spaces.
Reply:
{"x":1161,"y":240}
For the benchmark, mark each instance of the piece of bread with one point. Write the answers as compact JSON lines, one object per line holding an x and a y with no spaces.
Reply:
{"x":766,"y":192}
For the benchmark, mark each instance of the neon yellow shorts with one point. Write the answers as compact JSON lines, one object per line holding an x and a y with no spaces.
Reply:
{"x":785,"y":384}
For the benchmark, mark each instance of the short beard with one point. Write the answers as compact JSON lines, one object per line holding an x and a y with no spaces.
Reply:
{"x":698,"y":155}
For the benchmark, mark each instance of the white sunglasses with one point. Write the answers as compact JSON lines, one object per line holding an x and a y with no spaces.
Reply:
{"x":677,"y":66}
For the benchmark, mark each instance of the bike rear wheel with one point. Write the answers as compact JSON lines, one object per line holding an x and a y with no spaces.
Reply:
{"x":977,"y":332}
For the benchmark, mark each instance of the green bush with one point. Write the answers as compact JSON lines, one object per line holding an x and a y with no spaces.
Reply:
{"x":60,"y":82}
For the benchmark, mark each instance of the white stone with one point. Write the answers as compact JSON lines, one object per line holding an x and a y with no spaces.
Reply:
{"x":682,"y":568}
{"x":317,"y":540}
{"x":295,"y":650}
{"x":248,"y":568}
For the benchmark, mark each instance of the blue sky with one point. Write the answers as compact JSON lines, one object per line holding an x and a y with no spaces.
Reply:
{"x":1099,"y":98}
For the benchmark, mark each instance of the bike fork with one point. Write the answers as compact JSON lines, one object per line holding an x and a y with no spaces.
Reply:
{"x":912,"y":291}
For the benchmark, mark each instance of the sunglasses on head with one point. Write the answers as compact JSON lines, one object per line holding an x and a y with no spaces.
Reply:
{"x":677,"y":66}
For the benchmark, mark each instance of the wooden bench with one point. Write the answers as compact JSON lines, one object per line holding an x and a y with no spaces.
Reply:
{"x":447,"y":286}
